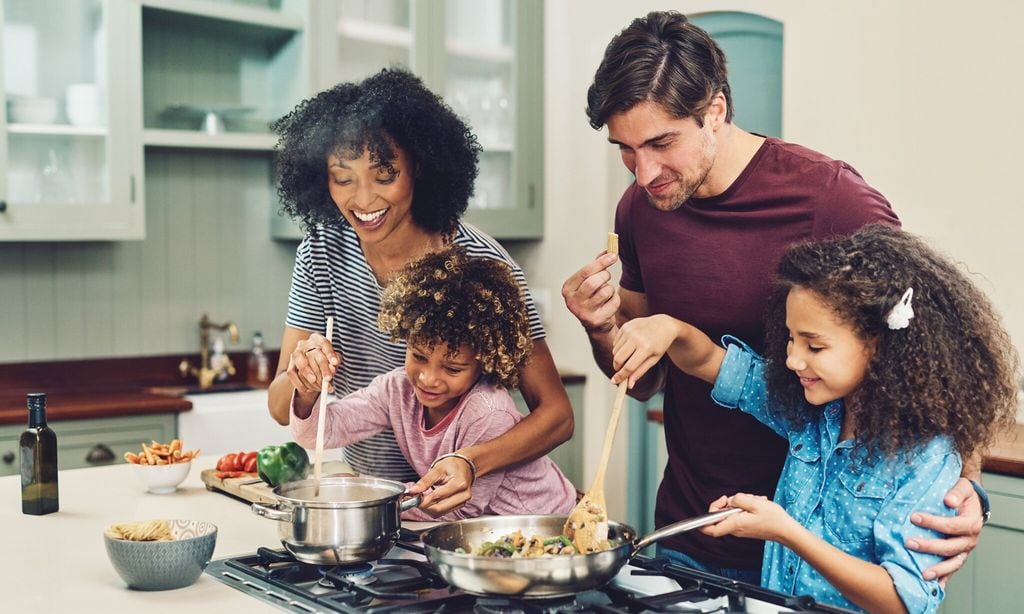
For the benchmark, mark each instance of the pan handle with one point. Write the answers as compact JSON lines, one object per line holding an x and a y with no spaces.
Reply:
{"x":682,"y":526}
{"x":273,"y":512}
{"x":410,"y":503}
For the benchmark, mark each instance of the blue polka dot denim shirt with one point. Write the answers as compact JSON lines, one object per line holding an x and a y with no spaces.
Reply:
{"x":861,"y":508}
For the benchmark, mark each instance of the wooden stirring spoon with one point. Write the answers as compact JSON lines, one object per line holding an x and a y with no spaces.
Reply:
{"x":318,"y":459}
{"x":587,"y":524}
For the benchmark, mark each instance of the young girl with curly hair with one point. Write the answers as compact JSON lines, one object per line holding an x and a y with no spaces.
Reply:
{"x":885,"y":367}
{"x":467,"y":339}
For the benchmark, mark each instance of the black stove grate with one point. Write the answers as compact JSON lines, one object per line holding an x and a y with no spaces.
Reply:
{"x":410,"y":585}
{"x":695,"y":582}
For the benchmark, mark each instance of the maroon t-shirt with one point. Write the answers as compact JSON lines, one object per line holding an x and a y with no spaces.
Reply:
{"x":711,"y":263}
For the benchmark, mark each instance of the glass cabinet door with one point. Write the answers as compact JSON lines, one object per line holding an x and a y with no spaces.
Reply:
{"x":479,"y":85}
{"x":371,"y":34}
{"x":57,"y":144}
{"x":492,"y":80}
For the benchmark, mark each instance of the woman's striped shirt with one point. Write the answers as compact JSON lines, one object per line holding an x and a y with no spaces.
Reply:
{"x":332,"y":278}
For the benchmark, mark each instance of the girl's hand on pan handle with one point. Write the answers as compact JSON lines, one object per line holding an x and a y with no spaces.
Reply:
{"x":451,"y":480}
{"x":762,"y":518}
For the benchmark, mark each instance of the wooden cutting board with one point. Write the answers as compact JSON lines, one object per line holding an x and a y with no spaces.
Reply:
{"x":249,"y":488}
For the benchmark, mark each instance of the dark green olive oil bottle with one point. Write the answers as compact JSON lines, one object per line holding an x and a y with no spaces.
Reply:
{"x":38,"y":461}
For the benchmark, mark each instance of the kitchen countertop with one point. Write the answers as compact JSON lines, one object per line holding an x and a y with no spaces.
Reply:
{"x":1007,"y":455}
{"x":80,"y":405}
{"x":59,"y":562}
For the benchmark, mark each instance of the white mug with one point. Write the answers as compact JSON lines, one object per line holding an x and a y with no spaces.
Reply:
{"x":83,"y":105}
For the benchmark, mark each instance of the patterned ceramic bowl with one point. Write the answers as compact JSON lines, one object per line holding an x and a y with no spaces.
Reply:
{"x":163,"y":565}
{"x":162,"y":479}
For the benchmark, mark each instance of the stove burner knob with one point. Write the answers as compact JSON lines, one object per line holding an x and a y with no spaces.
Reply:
{"x":8,"y":457}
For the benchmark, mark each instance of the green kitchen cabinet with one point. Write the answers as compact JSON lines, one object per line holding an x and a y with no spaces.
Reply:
{"x":990,"y":580}
{"x":70,"y":169}
{"x":214,"y":76}
{"x":89,"y":443}
{"x":486,"y":58}
{"x":569,"y":455}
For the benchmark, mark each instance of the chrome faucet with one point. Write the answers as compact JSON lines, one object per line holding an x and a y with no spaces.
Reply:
{"x":204,"y":373}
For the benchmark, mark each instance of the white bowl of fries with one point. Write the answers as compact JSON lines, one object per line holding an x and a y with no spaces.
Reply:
{"x":162,"y":466}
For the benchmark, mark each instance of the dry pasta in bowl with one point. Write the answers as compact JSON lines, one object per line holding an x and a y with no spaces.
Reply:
{"x":160,"y":554}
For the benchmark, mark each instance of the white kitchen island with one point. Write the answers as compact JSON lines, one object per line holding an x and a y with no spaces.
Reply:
{"x":58,"y":562}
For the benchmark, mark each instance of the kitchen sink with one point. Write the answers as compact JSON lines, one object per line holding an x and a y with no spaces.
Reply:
{"x":194,"y":389}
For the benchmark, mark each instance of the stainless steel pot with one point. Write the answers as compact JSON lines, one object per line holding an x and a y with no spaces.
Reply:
{"x":550,"y":576}
{"x":355,"y":519}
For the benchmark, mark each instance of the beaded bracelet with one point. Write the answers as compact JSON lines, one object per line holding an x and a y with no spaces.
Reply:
{"x":472,"y":465}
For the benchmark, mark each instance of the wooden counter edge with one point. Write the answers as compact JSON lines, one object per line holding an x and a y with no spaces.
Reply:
{"x":1005,"y":457}
{"x":85,"y":406}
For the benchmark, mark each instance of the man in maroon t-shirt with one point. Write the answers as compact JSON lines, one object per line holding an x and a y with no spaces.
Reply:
{"x":700,"y":233}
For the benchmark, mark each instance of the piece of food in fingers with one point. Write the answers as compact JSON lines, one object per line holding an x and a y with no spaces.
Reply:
{"x":613,"y":243}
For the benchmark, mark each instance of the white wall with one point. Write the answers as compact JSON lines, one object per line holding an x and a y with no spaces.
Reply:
{"x":924,"y":98}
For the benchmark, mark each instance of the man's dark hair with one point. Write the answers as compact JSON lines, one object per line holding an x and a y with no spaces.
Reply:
{"x":664,"y":58}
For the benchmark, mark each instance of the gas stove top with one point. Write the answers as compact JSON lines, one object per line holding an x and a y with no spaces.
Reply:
{"x":404,"y":582}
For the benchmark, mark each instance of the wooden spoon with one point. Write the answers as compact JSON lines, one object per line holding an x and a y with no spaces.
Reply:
{"x":318,"y":459}
{"x":587,"y":524}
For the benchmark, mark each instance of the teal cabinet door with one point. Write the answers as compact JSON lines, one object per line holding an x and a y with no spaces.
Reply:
{"x":753,"y":50}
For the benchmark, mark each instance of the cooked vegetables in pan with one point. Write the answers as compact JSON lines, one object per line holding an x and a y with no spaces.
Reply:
{"x":515,"y":545}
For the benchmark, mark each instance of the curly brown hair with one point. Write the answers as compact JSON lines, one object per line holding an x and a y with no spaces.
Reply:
{"x":449,"y":297}
{"x":392,"y":108}
{"x":952,"y":372}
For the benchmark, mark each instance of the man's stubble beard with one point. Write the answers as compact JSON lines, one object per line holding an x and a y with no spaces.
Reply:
{"x":710,"y":149}
{"x":674,"y":201}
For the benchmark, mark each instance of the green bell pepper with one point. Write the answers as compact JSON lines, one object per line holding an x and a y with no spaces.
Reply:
{"x":287,"y":462}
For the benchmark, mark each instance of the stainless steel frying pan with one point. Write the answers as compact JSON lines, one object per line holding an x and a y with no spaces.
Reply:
{"x":550,"y":576}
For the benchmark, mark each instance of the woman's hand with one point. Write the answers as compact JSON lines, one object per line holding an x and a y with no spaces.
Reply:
{"x":763,"y":518}
{"x":452,"y":481}
{"x":312,"y":360}
{"x":640,"y":344}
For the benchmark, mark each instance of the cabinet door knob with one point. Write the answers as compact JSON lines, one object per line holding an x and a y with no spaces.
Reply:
{"x":8,"y":457}
{"x":99,"y":453}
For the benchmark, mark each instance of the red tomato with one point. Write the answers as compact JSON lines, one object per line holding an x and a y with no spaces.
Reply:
{"x":226,"y":463}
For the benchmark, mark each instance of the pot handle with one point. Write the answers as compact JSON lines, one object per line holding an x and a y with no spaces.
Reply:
{"x":273,"y":512}
{"x":409,"y":503}
{"x":681,"y":527}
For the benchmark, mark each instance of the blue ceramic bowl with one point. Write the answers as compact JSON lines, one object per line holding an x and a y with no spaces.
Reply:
{"x":160,"y":566}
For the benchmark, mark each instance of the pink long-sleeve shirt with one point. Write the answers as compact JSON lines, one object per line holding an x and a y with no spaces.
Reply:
{"x":483,"y":413}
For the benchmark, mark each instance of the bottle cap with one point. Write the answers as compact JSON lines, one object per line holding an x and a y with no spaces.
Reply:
{"x":36,"y":401}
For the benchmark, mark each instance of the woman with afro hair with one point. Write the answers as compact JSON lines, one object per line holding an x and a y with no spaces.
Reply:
{"x":467,"y":339}
{"x":378,"y":173}
{"x":885,"y":368}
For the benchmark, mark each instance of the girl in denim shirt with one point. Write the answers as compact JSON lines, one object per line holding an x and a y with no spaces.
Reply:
{"x":885,"y":367}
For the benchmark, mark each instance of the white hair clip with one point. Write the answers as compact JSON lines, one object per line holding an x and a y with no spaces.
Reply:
{"x":900,"y":315}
